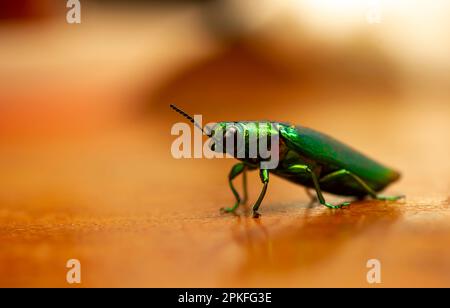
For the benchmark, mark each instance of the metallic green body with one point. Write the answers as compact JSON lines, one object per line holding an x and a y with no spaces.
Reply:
{"x":323,"y":154}
{"x":306,"y":157}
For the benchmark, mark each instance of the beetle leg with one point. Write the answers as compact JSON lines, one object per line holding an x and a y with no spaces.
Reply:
{"x":264,"y":175}
{"x":306,"y":169}
{"x":390,"y":198}
{"x":244,"y":185}
{"x":235,"y":171}
{"x":311,"y":195}
{"x":364,"y":185}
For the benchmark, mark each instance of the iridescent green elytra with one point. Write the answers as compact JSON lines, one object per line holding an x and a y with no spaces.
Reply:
{"x":308,"y":158}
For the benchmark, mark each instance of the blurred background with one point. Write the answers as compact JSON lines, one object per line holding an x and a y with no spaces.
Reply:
{"x":86,"y":169}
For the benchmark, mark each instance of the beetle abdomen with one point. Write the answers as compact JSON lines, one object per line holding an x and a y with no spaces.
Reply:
{"x":335,"y":155}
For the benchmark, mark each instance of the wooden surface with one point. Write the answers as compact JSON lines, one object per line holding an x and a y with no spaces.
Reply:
{"x":134,"y":216}
{"x":113,"y":197}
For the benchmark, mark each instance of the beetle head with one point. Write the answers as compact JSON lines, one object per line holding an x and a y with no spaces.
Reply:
{"x":241,"y":139}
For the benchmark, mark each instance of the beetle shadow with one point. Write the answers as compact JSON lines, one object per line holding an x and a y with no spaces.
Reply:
{"x":272,"y":245}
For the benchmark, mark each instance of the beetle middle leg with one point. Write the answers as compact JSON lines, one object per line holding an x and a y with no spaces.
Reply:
{"x":264,"y":175}
{"x":304,"y":169}
{"x":345,"y":173}
{"x":244,"y":186}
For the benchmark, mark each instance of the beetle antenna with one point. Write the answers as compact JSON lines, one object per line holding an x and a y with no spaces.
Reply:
{"x":191,"y":119}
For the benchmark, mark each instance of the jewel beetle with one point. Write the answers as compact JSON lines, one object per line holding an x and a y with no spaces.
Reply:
{"x":306,"y":157}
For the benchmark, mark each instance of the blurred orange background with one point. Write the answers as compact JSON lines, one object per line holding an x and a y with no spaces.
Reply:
{"x":85,"y":141}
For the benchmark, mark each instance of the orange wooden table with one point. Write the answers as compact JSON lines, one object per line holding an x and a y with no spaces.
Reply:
{"x":112,"y":196}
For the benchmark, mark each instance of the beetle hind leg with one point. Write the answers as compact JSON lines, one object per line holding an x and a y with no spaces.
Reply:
{"x":390,"y":198}
{"x":304,"y":169}
{"x":345,"y":173}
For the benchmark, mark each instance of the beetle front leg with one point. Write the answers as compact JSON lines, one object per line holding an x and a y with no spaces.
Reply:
{"x":307,"y":170}
{"x":244,"y":185}
{"x":264,"y":175}
{"x":235,"y":171}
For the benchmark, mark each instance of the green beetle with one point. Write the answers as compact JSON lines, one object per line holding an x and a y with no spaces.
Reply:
{"x":306,"y":157}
